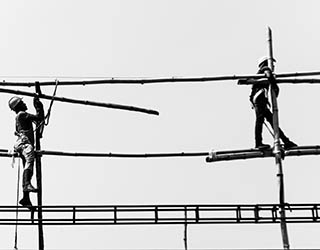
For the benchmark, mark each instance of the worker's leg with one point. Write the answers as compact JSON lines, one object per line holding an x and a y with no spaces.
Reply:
{"x":25,"y":201}
{"x":28,"y":155}
{"x":282,"y":136}
{"x":258,"y":126}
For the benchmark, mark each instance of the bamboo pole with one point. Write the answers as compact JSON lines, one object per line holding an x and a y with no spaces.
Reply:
{"x":251,"y":154}
{"x":123,"y":155}
{"x":39,"y":193}
{"x":185,"y":237}
{"x":225,"y":155}
{"x":277,"y":149}
{"x":156,"y":80}
{"x":83,"y":102}
{"x":38,"y":136}
{"x":281,"y":81}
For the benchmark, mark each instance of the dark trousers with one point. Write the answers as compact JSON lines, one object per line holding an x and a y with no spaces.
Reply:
{"x":263,"y":112}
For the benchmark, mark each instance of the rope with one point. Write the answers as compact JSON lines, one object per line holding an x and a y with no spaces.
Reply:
{"x":268,"y":128}
{"x":51,"y":103}
{"x":47,"y":116}
{"x":17,"y":211}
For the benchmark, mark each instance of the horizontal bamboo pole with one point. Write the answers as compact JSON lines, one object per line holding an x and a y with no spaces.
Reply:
{"x":123,"y":155}
{"x":281,"y":81}
{"x":157,"y":80}
{"x":225,"y":155}
{"x":83,"y":102}
{"x":7,"y":153}
{"x":255,"y":153}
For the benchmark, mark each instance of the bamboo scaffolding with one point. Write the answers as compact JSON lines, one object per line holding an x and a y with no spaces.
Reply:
{"x":163,"y":214}
{"x":157,"y":80}
{"x":83,"y":102}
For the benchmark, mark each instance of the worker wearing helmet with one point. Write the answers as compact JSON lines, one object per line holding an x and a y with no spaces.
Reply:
{"x":259,"y":100}
{"x":25,"y":142}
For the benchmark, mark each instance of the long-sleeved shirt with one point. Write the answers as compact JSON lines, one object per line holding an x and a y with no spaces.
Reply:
{"x":24,"y":121}
{"x":24,"y":125}
{"x":259,"y":91}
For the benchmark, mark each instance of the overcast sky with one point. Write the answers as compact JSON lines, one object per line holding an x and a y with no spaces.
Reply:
{"x":56,"y":39}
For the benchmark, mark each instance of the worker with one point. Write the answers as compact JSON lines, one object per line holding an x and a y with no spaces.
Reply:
{"x":24,"y":145}
{"x":261,"y":105}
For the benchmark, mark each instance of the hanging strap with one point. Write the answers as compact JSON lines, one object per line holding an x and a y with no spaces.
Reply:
{"x":17,"y":210}
{"x":270,"y":131}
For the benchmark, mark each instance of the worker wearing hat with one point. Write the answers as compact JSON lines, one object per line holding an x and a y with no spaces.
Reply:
{"x":25,"y":142}
{"x":259,"y":100}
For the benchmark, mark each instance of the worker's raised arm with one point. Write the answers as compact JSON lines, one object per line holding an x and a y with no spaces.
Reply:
{"x":39,"y":116}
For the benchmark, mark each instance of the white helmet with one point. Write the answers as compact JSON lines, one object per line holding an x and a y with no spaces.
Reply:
{"x":14,"y":101}
{"x":263,"y":60}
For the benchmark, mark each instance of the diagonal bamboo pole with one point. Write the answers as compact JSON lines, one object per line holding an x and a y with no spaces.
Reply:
{"x":277,"y":149}
{"x":83,"y":102}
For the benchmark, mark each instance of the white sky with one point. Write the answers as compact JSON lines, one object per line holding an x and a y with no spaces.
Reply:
{"x":158,"y":39}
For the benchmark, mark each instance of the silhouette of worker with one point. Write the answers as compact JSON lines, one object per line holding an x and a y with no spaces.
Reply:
{"x":261,"y":105}
{"x":24,"y":145}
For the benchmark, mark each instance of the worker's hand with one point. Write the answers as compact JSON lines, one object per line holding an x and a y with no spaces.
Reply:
{"x":37,"y":103}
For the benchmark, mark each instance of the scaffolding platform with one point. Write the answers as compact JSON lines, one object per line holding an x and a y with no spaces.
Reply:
{"x":161,"y":214}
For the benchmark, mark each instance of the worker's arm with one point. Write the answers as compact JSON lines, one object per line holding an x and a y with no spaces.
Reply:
{"x":251,"y":81}
{"x":272,"y":80}
{"x":39,"y":108}
{"x":39,"y":116}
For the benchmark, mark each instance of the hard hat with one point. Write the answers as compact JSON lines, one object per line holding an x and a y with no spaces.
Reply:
{"x":14,"y":101}
{"x":264,"y":59}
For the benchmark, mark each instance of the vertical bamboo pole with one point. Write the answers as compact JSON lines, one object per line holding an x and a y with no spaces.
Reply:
{"x":185,"y":239}
{"x":39,"y":175}
{"x":277,"y":150}
{"x":39,"y":185}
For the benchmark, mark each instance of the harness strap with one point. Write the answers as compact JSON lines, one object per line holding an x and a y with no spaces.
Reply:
{"x":259,"y":92}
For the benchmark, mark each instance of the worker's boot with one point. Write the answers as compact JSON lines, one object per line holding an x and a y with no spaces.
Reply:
{"x":27,"y":186}
{"x":286,"y":141}
{"x":262,"y":146}
{"x":26,"y":202}
{"x":289,"y":144}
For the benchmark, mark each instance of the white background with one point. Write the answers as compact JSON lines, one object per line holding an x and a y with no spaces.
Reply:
{"x":161,"y":39}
